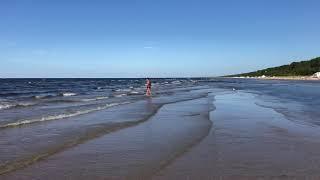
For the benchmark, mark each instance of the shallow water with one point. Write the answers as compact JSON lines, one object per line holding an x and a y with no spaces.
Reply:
{"x":189,"y":128}
{"x":135,"y":152}
{"x":248,"y":140}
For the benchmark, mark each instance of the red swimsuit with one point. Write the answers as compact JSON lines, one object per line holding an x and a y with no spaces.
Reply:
{"x":148,"y":84}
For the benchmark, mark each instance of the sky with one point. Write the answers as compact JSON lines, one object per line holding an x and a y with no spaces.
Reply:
{"x":154,"y":38}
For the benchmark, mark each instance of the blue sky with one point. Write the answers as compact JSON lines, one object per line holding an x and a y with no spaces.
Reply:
{"x":163,"y":38}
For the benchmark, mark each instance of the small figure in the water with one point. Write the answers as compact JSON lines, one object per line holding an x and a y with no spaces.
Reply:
{"x":148,"y":84}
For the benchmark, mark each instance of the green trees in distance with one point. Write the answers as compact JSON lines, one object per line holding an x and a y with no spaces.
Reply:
{"x":303,"y":68}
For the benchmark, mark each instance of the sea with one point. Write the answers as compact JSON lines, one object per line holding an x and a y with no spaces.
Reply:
{"x":43,"y":117}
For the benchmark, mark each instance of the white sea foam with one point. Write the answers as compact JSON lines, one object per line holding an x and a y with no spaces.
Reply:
{"x":176,"y":82}
{"x":8,"y":105}
{"x":61,"y":116}
{"x":120,"y":95}
{"x":43,"y":96}
{"x":39,"y":97}
{"x":134,"y":92}
{"x":123,"y":90}
{"x":68,"y":94}
{"x":25,"y":104}
{"x":102,"y":97}
{"x":95,"y":99}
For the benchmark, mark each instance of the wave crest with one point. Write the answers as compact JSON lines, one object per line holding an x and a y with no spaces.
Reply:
{"x":10,"y":106}
{"x":60,"y":116}
{"x":66,"y":94}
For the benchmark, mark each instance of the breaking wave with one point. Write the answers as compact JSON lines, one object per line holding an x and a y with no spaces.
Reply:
{"x":95,"y":99}
{"x":66,"y":94}
{"x":17,"y":105}
{"x":60,"y":116}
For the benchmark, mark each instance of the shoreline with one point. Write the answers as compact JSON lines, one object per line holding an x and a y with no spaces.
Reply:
{"x":300,"y":78}
{"x":129,"y":153}
{"x":248,"y":141}
{"x":213,"y":129}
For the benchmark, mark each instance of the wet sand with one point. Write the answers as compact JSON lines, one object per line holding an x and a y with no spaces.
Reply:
{"x":196,"y":135}
{"x":35,"y":142}
{"x":135,"y":152}
{"x":249,"y":142}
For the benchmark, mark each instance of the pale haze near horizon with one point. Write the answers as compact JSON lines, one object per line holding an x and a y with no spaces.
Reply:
{"x":154,"y":38}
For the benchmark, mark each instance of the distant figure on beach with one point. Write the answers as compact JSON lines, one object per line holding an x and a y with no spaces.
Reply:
{"x":148,"y":84}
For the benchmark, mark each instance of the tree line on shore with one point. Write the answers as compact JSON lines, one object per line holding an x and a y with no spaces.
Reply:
{"x":302,"y":68}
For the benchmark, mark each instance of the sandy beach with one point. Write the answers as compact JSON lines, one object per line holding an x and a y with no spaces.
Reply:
{"x":211,"y":130}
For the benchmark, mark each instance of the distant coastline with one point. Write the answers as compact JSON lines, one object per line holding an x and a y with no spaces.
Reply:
{"x":303,"y":70}
{"x":300,"y":78}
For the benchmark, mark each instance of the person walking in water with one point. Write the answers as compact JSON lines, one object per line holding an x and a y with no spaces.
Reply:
{"x":148,"y":84}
